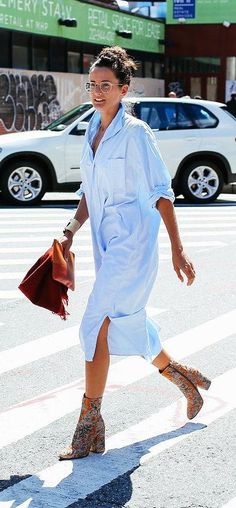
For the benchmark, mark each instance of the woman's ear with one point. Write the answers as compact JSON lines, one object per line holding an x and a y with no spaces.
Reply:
{"x":124,"y":90}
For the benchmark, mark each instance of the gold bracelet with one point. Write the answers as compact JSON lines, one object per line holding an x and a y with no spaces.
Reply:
{"x":72,"y":226}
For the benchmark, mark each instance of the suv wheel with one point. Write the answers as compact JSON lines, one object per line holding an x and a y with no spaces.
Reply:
{"x":23,"y":183}
{"x":201,"y":182}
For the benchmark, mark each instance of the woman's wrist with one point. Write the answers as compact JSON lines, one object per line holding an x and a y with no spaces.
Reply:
{"x":72,"y":227}
{"x":177,"y":247}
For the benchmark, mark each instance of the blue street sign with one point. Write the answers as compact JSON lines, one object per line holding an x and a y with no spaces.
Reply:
{"x":183,"y":9}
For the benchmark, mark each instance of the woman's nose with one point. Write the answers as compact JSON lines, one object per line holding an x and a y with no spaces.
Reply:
{"x":98,"y":88}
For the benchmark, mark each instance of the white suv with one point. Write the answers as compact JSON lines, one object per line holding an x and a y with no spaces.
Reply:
{"x":196,"y":139}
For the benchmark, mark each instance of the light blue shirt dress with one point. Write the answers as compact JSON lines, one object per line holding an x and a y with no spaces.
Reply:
{"x":122,"y":183}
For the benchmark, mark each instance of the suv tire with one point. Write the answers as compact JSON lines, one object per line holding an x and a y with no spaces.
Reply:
{"x":23,"y":182}
{"x":201,"y":181}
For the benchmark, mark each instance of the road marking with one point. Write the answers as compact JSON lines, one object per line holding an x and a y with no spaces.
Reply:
{"x":207,"y":210}
{"x":217,"y":225}
{"x":87,"y":232}
{"x":35,"y":239}
{"x":20,"y":275}
{"x":48,"y":212}
{"x":204,"y":233}
{"x":163,"y":234}
{"x":40,"y":411}
{"x":81,"y":248}
{"x":79,"y":259}
{"x":230,"y":504}
{"x":39,"y":230}
{"x":28,"y":261}
{"x":154,"y":311}
{"x":24,"y":250}
{"x":35,"y":220}
{"x":58,"y":485}
{"x":210,"y":218}
{"x":10,"y":294}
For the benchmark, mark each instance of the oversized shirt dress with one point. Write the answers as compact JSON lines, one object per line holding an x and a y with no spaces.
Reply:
{"x":122,"y":183}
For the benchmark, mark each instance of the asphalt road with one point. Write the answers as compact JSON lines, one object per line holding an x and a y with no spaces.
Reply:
{"x":155,"y":457}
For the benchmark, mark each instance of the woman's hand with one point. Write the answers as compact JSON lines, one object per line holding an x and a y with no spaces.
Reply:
{"x":66,"y":242}
{"x":182,"y":263}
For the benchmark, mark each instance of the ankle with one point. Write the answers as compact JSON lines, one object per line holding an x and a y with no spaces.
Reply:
{"x":94,"y":396}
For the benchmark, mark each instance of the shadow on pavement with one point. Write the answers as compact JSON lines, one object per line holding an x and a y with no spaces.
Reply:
{"x":107,"y":476}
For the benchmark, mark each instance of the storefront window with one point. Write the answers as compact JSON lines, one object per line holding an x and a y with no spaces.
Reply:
{"x":20,"y":51}
{"x":5,"y":55}
{"x":87,"y":62}
{"x":57,"y":55}
{"x":139,"y":71}
{"x":73,"y":61}
{"x":231,"y":68}
{"x":207,"y":65}
{"x":158,"y":70}
{"x":148,"y":69}
{"x":195,"y":86}
{"x":40,"y":54}
{"x":211,"y":88}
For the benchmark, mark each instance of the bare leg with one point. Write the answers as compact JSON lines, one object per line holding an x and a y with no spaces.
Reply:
{"x":162,"y":360}
{"x":89,"y":435}
{"x":97,"y":370}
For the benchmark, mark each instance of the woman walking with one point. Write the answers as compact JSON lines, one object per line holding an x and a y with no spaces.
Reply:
{"x":126,"y":191}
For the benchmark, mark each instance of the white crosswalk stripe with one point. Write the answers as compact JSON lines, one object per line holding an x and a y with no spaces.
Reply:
{"x":230,"y":504}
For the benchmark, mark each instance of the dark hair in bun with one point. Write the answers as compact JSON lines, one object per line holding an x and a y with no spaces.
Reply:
{"x":116,"y":59}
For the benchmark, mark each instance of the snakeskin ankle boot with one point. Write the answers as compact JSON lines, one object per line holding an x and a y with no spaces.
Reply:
{"x":89,"y":435}
{"x":187,"y":380}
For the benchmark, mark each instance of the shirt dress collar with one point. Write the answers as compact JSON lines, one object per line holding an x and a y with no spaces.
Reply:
{"x":114,"y":127}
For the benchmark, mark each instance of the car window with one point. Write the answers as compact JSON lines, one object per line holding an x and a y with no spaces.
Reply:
{"x":68,"y":118}
{"x":184,"y":119}
{"x":203,"y":118}
{"x":154,"y":114}
{"x":175,"y":116}
{"x":75,"y":131}
{"x":165,"y":115}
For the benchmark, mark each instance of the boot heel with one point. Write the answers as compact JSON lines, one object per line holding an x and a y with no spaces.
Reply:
{"x":203,"y":382}
{"x":98,"y":445}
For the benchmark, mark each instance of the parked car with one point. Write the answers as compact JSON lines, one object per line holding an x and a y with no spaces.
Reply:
{"x":196,"y":138}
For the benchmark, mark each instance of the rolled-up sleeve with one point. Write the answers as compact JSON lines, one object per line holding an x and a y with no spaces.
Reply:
{"x":80,"y":191}
{"x":156,"y":177}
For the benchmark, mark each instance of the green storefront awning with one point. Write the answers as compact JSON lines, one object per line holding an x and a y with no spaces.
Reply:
{"x":95,"y":24}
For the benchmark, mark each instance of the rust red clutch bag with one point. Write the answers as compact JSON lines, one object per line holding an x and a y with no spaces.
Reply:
{"x":47,"y":282}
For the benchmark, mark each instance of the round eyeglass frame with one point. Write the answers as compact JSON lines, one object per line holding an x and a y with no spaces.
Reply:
{"x":91,"y":87}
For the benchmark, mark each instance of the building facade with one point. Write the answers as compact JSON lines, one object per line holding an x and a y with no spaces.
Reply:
{"x":48,"y":47}
{"x":200,"y":48}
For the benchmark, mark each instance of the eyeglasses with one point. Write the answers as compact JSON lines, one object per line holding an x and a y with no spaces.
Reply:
{"x":104,"y":87}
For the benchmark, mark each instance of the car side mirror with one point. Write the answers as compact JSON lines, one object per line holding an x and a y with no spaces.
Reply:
{"x":81,"y":128}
